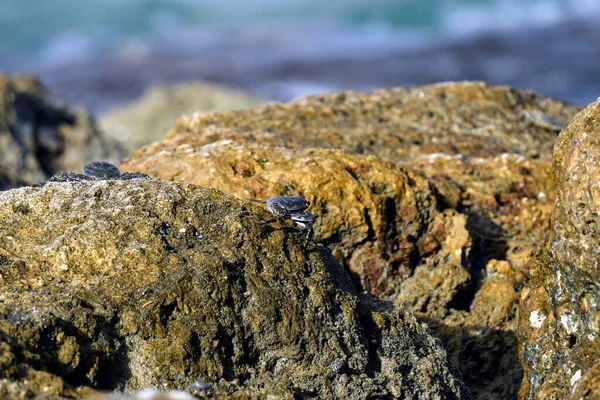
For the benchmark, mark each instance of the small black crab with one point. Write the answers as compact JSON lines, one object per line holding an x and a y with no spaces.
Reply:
{"x":292,"y":208}
{"x":97,"y":171}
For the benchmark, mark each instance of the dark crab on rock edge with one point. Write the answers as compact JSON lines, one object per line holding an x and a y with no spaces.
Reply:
{"x":292,"y":208}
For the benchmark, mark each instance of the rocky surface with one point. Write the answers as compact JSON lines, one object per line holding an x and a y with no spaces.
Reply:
{"x":379,"y":220}
{"x":385,"y":225}
{"x":147,"y":119}
{"x":472,"y":119}
{"x":448,"y":229}
{"x":40,"y":135}
{"x":560,"y":306}
{"x":131,"y":284}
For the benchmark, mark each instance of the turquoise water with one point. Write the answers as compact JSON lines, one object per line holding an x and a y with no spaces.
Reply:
{"x":100,"y":53}
{"x":36,"y":26}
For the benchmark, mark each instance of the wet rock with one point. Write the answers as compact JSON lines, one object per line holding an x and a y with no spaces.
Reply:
{"x":559,"y":308}
{"x":40,"y":135}
{"x":455,"y":247}
{"x":147,"y":119}
{"x":131,"y":284}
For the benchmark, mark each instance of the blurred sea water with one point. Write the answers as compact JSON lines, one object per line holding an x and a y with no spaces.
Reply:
{"x":98,"y":53}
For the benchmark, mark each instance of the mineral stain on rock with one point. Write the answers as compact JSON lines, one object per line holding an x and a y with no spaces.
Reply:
{"x":92,"y":300}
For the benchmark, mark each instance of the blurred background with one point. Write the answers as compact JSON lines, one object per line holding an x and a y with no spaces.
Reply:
{"x":102,"y":53}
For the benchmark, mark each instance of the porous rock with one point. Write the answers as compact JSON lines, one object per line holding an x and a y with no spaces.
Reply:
{"x":133,"y":284}
{"x":379,"y":220}
{"x":483,"y":206}
{"x":40,"y":135}
{"x":507,"y":200}
{"x":468,"y":118}
{"x":384,"y":224}
{"x":560,"y":306}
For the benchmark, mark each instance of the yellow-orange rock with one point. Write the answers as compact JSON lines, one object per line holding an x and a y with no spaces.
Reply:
{"x":451,"y":225}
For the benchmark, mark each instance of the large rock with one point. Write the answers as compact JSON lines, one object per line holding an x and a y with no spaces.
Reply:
{"x":380,"y":221}
{"x":130,"y":284}
{"x":559,"y":323}
{"x":40,"y":135}
{"x":399,"y":124}
{"x":384,"y":224}
{"x":447,"y":231}
{"x":147,"y":119}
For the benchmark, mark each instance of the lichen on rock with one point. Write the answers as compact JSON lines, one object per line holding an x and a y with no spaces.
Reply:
{"x":132,"y":284}
{"x":447,"y":230}
{"x":559,"y":309}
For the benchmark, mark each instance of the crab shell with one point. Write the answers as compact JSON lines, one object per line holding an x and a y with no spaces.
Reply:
{"x":287,"y":204}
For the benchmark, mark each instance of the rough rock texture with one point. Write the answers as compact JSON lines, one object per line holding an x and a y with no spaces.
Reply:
{"x":399,"y":124}
{"x":147,"y":119}
{"x":384,"y":224}
{"x":507,"y":198}
{"x":559,"y":323}
{"x":130,"y":284}
{"x":40,"y":135}
{"x":379,"y":220}
{"x":448,"y":230}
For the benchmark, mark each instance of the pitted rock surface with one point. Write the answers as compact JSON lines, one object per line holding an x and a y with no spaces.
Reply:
{"x":133,"y":284}
{"x":478,"y":159}
{"x":468,"y":118}
{"x":560,"y":306}
{"x":40,"y":135}
{"x":507,"y":200}
{"x":379,"y":220}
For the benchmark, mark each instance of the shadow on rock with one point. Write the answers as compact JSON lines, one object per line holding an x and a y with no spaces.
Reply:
{"x":482,"y":355}
{"x":488,"y":243}
{"x":95,"y":356}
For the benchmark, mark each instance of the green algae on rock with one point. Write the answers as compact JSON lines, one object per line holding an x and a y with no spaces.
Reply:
{"x":130,"y":284}
{"x":560,"y":306}
{"x":40,"y":135}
